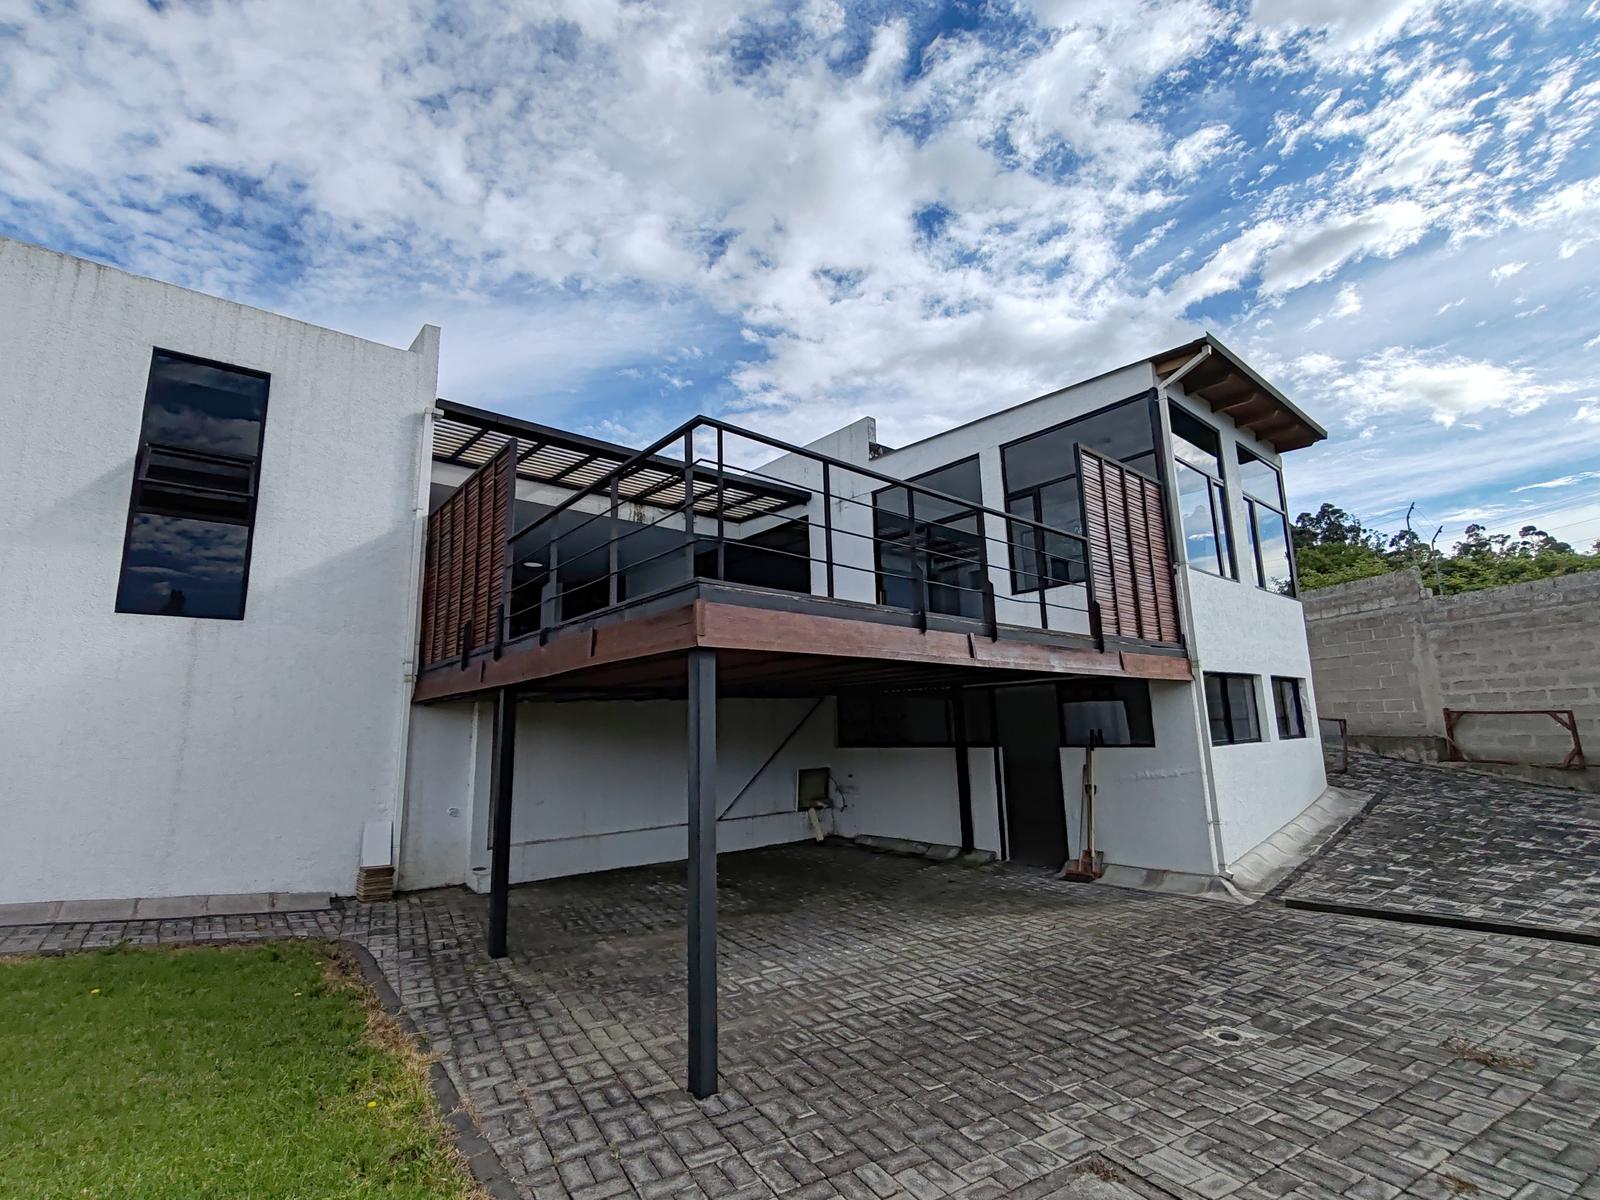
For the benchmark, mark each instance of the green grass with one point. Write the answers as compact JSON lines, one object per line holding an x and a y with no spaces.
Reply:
{"x":256,"y":1071}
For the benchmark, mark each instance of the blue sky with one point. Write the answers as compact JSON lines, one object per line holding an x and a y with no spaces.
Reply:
{"x":794,"y":215}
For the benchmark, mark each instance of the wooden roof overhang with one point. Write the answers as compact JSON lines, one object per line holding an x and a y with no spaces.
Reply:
{"x":766,"y":651}
{"x":1233,"y":389}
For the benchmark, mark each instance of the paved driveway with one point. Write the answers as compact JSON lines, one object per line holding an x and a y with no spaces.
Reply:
{"x":1447,"y":842}
{"x":895,"y":1028}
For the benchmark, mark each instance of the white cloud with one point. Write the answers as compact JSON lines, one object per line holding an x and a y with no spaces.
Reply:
{"x":1445,"y":387}
{"x":1561,"y":481}
{"x":1506,"y":270}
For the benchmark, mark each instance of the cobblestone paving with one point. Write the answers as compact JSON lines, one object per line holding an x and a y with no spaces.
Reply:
{"x":900,"y":1029}
{"x":895,"y":1028}
{"x":1451,"y":842}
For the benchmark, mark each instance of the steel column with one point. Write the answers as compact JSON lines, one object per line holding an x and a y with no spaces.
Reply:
{"x":502,"y":768}
{"x":702,"y":666}
{"x":958,"y":735}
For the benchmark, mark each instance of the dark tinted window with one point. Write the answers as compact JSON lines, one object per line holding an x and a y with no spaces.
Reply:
{"x":1286,"y":699}
{"x":1269,"y":526}
{"x":911,"y":719}
{"x":1260,"y":479}
{"x":192,"y":512}
{"x":1195,"y":442}
{"x":1117,"y":709}
{"x":1041,"y":480}
{"x":922,"y":541}
{"x":1231,"y":709}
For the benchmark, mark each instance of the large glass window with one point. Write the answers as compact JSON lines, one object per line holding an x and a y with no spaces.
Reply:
{"x":1231,"y":709}
{"x":1202,"y":498}
{"x":940,"y":538}
{"x":1269,"y":526}
{"x":1041,"y":481}
{"x":1115,"y":710}
{"x":192,"y":513}
{"x":1290,"y":707}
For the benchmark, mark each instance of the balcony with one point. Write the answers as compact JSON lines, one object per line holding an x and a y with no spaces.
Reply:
{"x":810,"y":574}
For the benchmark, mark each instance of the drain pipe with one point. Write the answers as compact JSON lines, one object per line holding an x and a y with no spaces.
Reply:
{"x":1180,"y":572}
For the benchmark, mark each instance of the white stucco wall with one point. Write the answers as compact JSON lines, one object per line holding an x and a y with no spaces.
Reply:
{"x":151,"y":755}
{"x":1240,"y":629}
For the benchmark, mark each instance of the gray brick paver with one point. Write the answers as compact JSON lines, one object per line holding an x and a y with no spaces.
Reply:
{"x":895,"y":1029}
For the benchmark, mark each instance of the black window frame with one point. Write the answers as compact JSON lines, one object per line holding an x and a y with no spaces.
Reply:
{"x":864,"y":735}
{"x":1254,"y":501}
{"x":1285,"y":687}
{"x":968,"y":600}
{"x":1134,"y":697}
{"x":142,"y":503}
{"x":1028,"y":541}
{"x":1216,"y":494}
{"x":1229,"y":720}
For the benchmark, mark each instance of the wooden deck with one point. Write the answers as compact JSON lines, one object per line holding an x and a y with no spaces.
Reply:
{"x":765,"y":651}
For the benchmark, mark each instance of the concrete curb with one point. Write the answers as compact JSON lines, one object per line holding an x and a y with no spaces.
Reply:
{"x":482,"y":1161}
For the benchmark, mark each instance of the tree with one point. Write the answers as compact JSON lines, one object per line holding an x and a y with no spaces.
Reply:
{"x":1332,"y":546}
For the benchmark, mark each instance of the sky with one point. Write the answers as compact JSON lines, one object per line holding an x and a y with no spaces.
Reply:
{"x":794,"y":215}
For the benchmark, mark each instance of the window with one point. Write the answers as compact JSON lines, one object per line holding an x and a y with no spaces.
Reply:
{"x":1231,"y":707}
{"x":1202,"y":499}
{"x":1291,"y":710}
{"x":190,"y":520}
{"x":1268,"y":526}
{"x":902,"y":719}
{"x":942,"y":539}
{"x":1117,"y":709}
{"x":1041,"y":481}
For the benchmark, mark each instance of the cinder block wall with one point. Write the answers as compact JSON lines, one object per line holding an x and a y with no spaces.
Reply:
{"x":1389,"y":658}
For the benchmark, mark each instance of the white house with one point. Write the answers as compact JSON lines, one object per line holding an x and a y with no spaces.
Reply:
{"x":260,"y":588}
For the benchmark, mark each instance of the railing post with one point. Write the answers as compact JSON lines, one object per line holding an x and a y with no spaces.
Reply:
{"x":613,"y":553}
{"x":919,"y":577}
{"x":722,"y":545}
{"x":827,"y":526}
{"x":688,"y":501}
{"x":991,"y":620}
{"x":550,"y":602}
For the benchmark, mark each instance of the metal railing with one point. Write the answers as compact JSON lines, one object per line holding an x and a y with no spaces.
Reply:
{"x":562,"y":568}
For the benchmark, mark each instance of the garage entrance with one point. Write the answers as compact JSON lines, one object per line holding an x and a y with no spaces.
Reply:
{"x":1028,"y":730}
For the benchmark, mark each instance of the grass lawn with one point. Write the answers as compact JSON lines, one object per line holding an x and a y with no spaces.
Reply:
{"x":260,"y":1071}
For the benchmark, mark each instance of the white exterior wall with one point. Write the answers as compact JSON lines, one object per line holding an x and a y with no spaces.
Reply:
{"x":1241,"y":629}
{"x":153,"y":755}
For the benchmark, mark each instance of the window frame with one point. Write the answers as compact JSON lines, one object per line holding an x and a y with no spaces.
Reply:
{"x":1252,"y":502}
{"x":1062,"y":700}
{"x":1296,"y":688}
{"x":141,"y":462}
{"x":1040,"y":574}
{"x":973,"y":512}
{"x":1216,"y":495}
{"x":1228,"y":721}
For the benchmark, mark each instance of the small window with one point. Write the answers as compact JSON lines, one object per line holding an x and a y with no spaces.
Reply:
{"x":1118,"y":710}
{"x":1231,"y":708}
{"x":1291,"y":710}
{"x":192,"y":513}
{"x":1202,"y":496}
{"x":1268,"y":526}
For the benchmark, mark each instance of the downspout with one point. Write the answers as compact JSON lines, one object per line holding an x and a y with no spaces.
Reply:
{"x":408,"y":661}
{"x":1180,"y":571}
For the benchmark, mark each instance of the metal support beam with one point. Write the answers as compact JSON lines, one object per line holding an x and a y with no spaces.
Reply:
{"x":702,"y":873}
{"x":502,"y":769}
{"x":958,"y":735}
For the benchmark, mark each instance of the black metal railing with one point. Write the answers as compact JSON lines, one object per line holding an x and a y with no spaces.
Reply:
{"x":806,"y":523}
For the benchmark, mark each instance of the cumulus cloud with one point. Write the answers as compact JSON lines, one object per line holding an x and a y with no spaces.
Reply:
{"x":1445,"y":387}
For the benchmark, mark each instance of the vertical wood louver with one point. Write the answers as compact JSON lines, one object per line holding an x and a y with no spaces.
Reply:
{"x":464,"y":579}
{"x":1124,"y":519}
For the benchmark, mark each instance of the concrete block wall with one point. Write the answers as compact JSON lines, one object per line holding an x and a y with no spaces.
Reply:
{"x":1389,"y":658}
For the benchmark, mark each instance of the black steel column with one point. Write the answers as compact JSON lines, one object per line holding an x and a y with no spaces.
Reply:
{"x":702,"y":873}
{"x":502,"y":768}
{"x":958,"y":732}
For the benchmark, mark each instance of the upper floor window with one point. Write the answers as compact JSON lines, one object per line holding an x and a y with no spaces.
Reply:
{"x":1202,"y":497}
{"x":1041,"y":482}
{"x":1268,"y":525}
{"x":1231,"y":709}
{"x":187,"y":549}
{"x":942,"y":540}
